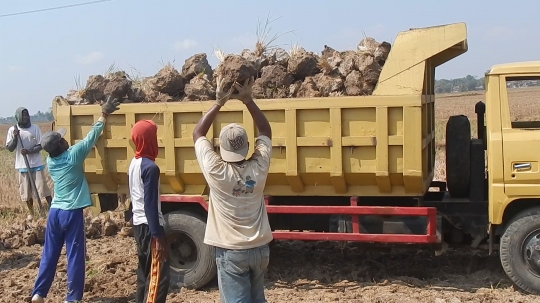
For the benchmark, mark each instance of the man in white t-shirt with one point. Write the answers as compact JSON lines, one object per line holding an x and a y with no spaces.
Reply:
{"x":237,"y":223}
{"x":30,"y":135}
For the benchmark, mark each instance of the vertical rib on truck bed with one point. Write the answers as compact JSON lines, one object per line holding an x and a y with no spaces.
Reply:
{"x":379,"y":145}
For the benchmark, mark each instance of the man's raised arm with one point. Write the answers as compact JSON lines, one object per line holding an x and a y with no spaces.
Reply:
{"x":245,"y":95}
{"x":81,"y":149}
{"x":201,"y":129}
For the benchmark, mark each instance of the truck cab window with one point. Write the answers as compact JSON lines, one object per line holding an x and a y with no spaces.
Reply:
{"x":524,"y":102}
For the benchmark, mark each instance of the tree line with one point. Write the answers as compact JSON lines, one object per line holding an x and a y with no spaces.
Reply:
{"x":37,"y":117}
{"x":472,"y":83}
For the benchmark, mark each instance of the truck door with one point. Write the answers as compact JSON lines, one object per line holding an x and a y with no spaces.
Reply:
{"x":520,"y":118}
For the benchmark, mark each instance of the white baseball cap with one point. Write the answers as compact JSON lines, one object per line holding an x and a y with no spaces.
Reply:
{"x":233,"y":143}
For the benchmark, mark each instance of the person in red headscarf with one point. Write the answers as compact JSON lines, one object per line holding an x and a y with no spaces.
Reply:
{"x":153,"y":270}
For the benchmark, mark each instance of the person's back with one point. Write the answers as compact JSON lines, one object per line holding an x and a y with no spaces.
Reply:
{"x":237,"y":217}
{"x":67,"y":173}
{"x":153,"y":270}
{"x":237,"y":223}
{"x":139,"y":167}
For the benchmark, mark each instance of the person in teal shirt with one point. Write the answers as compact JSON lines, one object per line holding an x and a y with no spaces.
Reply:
{"x":65,"y":223}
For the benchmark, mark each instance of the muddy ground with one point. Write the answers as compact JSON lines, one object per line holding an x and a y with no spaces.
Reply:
{"x":299,"y":272}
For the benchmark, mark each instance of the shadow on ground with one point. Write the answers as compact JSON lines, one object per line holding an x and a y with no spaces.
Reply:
{"x":13,"y":260}
{"x":305,"y":265}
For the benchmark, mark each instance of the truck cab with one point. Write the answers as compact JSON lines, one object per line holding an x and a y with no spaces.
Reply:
{"x":513,"y":174}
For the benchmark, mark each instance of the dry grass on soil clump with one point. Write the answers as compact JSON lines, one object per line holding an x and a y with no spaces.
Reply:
{"x":298,"y":271}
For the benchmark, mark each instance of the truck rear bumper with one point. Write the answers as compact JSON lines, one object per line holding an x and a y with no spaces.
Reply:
{"x":354,"y":223}
{"x":431,"y":236}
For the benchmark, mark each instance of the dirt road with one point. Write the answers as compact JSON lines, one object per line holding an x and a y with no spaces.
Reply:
{"x":299,"y":272}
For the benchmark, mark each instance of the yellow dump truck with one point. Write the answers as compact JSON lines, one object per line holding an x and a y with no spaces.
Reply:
{"x":350,"y":168}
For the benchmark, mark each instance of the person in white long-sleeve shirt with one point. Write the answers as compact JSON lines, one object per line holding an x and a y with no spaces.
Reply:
{"x":31,"y":135}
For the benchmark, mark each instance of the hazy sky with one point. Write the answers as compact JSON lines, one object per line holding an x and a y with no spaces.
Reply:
{"x":42,"y":53}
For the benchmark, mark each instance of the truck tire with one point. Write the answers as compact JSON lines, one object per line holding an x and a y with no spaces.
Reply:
{"x":458,"y":156}
{"x":520,"y":250}
{"x":192,"y":263}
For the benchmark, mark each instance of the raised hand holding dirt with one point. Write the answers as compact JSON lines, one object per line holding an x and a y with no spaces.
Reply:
{"x":245,"y":93}
{"x":222,"y":96}
{"x":110,"y":106}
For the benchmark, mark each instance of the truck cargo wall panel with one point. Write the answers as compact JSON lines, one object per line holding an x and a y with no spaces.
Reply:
{"x":365,"y":146}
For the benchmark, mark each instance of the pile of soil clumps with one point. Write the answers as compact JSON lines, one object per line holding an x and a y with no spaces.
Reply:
{"x":278,"y":74}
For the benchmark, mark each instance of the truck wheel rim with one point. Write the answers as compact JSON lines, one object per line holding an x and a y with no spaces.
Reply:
{"x":531,"y":252}
{"x":182,"y":251}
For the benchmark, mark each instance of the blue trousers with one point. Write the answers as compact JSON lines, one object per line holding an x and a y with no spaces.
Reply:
{"x":241,"y":274}
{"x":63,"y":226}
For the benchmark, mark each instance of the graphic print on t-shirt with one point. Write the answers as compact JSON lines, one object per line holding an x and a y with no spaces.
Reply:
{"x":242,"y":187}
{"x":250,"y":185}
{"x":237,"y":189}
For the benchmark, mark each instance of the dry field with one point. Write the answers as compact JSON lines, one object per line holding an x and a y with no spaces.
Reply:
{"x":299,"y":272}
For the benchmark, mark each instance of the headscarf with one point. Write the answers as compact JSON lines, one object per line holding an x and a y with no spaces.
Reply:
{"x":144,"y":135}
{"x":18,"y":117}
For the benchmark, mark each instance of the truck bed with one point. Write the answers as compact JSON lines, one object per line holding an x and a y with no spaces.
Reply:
{"x":378,"y":145}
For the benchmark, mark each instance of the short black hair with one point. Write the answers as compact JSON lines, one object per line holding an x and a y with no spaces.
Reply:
{"x":55,"y":153}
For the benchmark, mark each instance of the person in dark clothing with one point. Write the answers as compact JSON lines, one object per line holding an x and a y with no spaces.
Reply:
{"x":153,"y":271}
{"x":30,"y":135}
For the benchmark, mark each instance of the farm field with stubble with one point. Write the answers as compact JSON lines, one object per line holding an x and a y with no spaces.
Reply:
{"x":298,"y":272}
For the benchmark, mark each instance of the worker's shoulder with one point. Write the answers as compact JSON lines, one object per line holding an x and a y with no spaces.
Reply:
{"x":263,"y":139}
{"x":34,"y":129}
{"x":149,"y":166}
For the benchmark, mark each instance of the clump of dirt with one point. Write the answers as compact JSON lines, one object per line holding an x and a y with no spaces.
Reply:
{"x":118,"y":86}
{"x":235,"y":68}
{"x":346,"y":62}
{"x":279,"y":56}
{"x":25,"y":232}
{"x":95,"y":89}
{"x":257,"y":58}
{"x":354,"y":84}
{"x":200,"y":88}
{"x":197,"y":65}
{"x":168,"y":81}
{"x":328,"y":52}
{"x":381,"y":53}
{"x":103,"y":225}
{"x":31,"y":231}
{"x":303,"y":64}
{"x":294,"y":89}
{"x":273,"y":83}
{"x":74,"y":97}
{"x":329,"y":85}
{"x":308,"y":89}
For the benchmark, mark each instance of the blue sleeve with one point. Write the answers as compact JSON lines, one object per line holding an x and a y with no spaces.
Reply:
{"x":80,"y":150}
{"x":150,"y":177}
